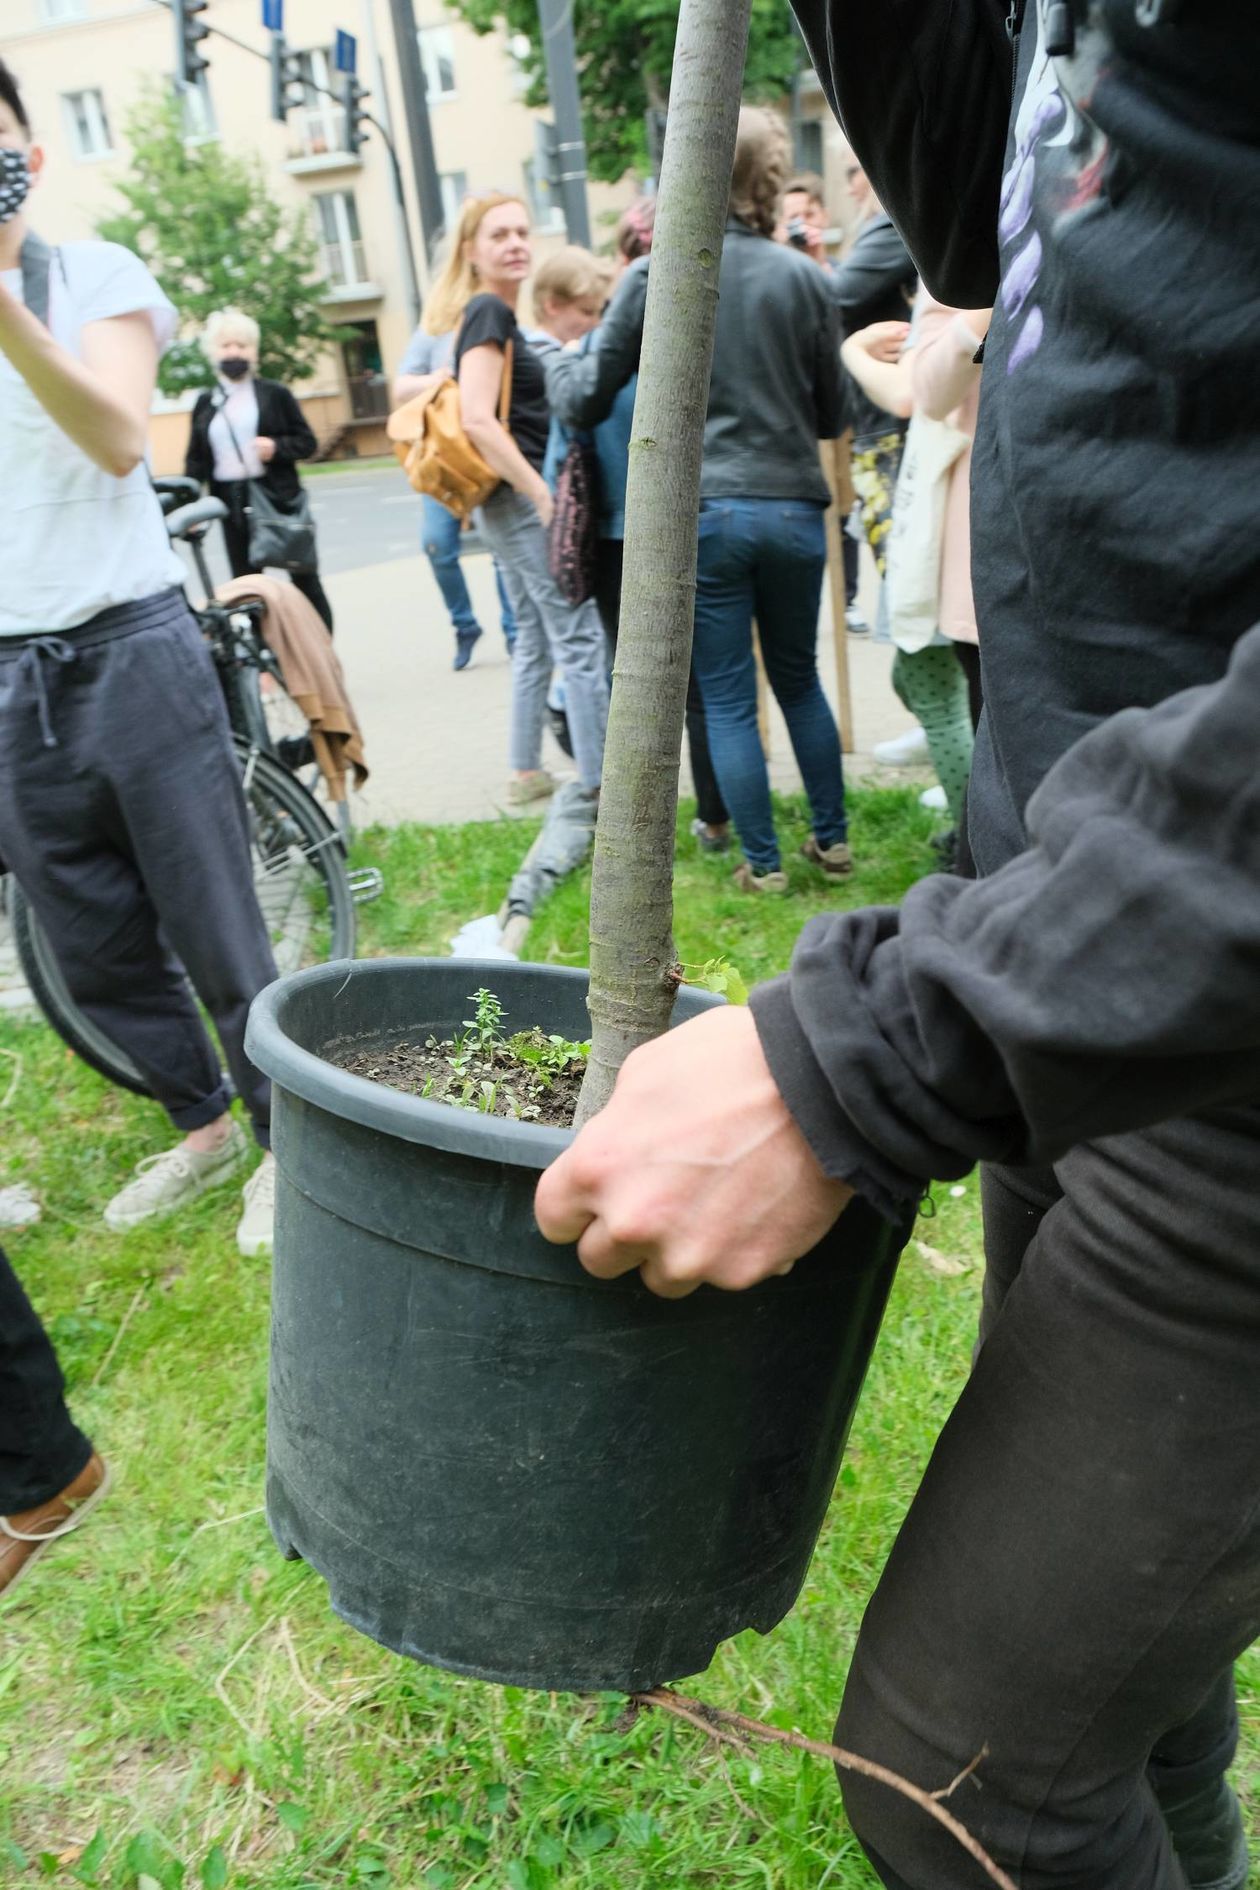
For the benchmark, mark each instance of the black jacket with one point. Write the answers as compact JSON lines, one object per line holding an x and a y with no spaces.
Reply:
{"x":1108,"y":975}
{"x":875,"y":283}
{"x":776,"y":388}
{"x":279,"y":419}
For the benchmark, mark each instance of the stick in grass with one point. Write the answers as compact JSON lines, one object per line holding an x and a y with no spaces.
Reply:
{"x":735,"y":1729}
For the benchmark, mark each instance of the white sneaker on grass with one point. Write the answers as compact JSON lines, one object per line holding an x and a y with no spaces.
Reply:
{"x":903,"y":751}
{"x":164,"y":1183}
{"x":935,"y":800}
{"x":256,"y":1229}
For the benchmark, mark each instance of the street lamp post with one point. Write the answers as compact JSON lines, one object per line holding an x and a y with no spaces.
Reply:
{"x":419,"y":130}
{"x":556,"y":20}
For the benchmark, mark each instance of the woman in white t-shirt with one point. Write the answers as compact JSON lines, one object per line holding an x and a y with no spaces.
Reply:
{"x":121,"y":810}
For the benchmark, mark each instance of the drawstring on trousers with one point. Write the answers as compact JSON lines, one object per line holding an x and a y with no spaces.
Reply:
{"x":31,"y":668}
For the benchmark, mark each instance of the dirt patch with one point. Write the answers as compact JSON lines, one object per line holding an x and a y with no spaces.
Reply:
{"x":526,"y":1079}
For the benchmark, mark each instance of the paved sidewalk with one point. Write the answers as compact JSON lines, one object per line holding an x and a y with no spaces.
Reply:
{"x":437,"y":742}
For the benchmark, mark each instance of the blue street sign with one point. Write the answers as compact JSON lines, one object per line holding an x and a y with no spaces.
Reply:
{"x":273,"y":15}
{"x":345,"y":51}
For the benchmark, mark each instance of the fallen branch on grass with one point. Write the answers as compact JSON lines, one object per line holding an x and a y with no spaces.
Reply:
{"x":735,"y":1729}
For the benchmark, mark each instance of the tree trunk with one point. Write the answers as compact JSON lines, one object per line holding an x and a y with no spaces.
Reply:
{"x":632,"y":944}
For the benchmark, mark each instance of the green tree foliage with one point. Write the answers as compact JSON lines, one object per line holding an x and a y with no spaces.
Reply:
{"x":206,"y":224}
{"x":625,"y":51}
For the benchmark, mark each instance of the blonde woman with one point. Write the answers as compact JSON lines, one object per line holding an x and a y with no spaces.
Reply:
{"x":247,"y":428}
{"x":480,"y":289}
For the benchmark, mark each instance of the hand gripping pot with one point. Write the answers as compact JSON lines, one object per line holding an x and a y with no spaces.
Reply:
{"x":435,"y":452}
{"x":499,"y":1464}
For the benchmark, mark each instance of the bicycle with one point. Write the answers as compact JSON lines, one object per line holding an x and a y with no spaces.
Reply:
{"x":304,"y":888}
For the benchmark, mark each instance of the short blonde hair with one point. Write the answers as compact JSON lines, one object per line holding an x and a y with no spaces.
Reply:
{"x":763,"y":162}
{"x":569,"y":275}
{"x":225,"y":321}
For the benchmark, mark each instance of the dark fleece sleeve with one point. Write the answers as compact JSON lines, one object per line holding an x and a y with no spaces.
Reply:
{"x":923,"y":91}
{"x":583,"y":387}
{"x":1107,"y":979}
{"x":293,"y":436}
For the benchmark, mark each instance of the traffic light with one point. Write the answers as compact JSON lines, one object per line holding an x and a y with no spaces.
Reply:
{"x":352,"y":97}
{"x":286,"y":79}
{"x":190,"y":61}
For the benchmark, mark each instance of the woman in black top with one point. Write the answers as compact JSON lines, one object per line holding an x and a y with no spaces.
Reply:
{"x":489,"y":264}
{"x":248,"y":428}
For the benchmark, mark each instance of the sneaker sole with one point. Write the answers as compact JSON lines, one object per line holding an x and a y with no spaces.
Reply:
{"x":255,"y":1249}
{"x":81,"y":1515}
{"x":120,"y":1224}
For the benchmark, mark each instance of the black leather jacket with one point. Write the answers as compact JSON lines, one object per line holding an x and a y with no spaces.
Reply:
{"x":776,"y":388}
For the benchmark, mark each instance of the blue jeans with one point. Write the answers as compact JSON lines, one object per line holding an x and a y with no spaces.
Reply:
{"x":762,"y":560}
{"x":442,"y":537}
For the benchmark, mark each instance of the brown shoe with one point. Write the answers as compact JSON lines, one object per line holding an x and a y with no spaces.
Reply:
{"x":836,"y":862}
{"x":25,"y":1535}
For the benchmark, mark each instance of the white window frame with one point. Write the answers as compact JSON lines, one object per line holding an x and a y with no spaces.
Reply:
{"x":347,"y":245}
{"x":323,"y":120}
{"x":60,"y":12}
{"x":454,"y":187}
{"x":434,"y":51}
{"x":195,"y":103}
{"x":96,"y":121}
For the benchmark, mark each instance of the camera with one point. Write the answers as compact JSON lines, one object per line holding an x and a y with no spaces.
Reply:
{"x":798,"y":233}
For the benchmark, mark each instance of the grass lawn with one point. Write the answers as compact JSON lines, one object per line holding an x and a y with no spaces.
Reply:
{"x":180,"y":1706}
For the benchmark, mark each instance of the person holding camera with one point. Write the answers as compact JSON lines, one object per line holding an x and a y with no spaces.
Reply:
{"x":121,"y":809}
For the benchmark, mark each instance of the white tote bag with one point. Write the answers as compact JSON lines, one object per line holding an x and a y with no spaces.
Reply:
{"x":913,"y":569}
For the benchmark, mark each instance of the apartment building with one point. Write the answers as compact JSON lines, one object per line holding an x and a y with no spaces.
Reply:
{"x":82,"y":64}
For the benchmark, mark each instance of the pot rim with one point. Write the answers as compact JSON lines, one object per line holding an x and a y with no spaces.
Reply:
{"x":391,"y":1111}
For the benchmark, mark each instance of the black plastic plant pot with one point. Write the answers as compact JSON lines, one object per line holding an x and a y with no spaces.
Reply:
{"x":499,"y":1464}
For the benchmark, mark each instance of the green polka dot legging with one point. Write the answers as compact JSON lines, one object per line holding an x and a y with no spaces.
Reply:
{"x":933,"y":686}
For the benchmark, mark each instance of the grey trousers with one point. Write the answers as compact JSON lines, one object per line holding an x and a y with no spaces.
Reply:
{"x":121,"y":813}
{"x":550,"y":633}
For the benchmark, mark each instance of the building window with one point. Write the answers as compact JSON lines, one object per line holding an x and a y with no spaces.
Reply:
{"x":89,"y":127}
{"x":546,"y":212}
{"x":454,"y":190}
{"x":323,"y":122}
{"x":809,"y":146}
{"x":57,"y":12}
{"x":344,"y":263}
{"x":437,"y":56}
{"x":197,"y":110}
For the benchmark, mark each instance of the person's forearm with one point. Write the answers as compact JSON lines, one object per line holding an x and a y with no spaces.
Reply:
{"x":1105,"y":980}
{"x":943,"y":368}
{"x":887,"y":383}
{"x":407,"y":386}
{"x":99,"y":423}
{"x":503,"y":456}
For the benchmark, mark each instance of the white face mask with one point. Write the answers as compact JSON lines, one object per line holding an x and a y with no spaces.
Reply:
{"x":15,"y":182}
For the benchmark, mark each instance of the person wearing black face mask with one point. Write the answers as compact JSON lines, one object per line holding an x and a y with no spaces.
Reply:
{"x":248,"y":428}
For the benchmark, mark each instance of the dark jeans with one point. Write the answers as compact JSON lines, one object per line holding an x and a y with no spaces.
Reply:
{"x":236,"y":542}
{"x":1081,"y":1564}
{"x":762,"y":560}
{"x":609,"y":565}
{"x":121,"y":813}
{"x":442,"y":536}
{"x":40,"y":1449}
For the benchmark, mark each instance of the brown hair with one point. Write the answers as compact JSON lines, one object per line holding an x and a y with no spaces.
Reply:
{"x":457,"y":284}
{"x":761,"y":168}
{"x":807,"y":184}
{"x":634,"y":231}
{"x":569,"y":275}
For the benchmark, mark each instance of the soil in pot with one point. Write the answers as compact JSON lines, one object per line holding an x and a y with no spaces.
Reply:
{"x":527,"y":1077}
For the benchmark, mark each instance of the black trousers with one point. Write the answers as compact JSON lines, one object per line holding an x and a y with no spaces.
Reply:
{"x":608,"y":571}
{"x":41,"y":1451}
{"x":236,"y":543}
{"x":1081,"y":1564}
{"x":121,"y":813}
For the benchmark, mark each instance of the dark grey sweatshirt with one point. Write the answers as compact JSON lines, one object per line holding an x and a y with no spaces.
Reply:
{"x":1109,"y":977}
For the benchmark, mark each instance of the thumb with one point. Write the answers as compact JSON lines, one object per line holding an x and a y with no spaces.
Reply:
{"x":562,"y":1206}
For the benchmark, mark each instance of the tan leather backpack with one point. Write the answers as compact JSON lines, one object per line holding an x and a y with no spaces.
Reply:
{"x":435,"y":452}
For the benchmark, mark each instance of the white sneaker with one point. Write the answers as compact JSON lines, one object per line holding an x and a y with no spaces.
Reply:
{"x":903,"y":751}
{"x":935,"y":800}
{"x":163,"y":1183}
{"x":854,"y":622}
{"x":256,"y":1229}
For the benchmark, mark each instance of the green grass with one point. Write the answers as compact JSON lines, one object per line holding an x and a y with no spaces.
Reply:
{"x":180,"y":1705}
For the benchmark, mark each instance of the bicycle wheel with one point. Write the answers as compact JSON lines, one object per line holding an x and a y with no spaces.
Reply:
{"x":300,"y":881}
